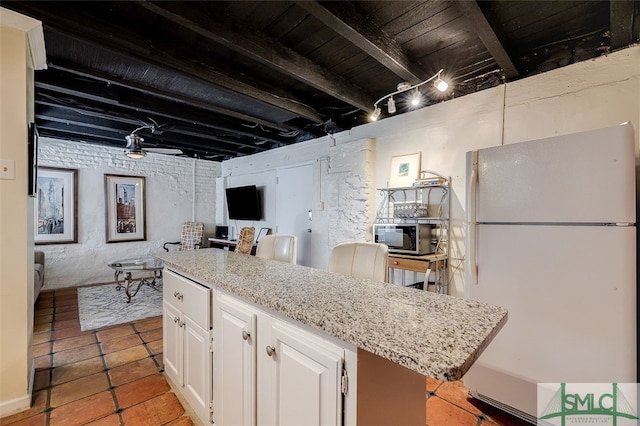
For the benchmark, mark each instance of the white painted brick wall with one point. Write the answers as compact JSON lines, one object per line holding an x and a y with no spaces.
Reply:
{"x":171,"y":183}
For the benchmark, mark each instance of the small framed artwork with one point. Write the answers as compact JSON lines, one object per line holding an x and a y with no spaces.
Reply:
{"x":125,"y":203}
{"x":405,"y":169}
{"x":262,"y":233}
{"x":56,"y":206}
{"x":32,"y":152}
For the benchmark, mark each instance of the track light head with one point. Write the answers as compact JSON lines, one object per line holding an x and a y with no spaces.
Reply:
{"x":375,"y":114}
{"x":416,"y":98}
{"x":391,"y":105}
{"x":441,"y":85}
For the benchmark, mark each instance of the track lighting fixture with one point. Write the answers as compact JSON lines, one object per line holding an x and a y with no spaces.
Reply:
{"x":416,"y":97}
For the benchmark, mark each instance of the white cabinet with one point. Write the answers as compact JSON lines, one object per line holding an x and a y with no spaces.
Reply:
{"x":269,"y":371}
{"x":187,"y":340}
{"x":235,"y":362}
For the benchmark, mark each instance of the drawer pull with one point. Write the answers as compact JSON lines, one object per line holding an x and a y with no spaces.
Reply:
{"x":245,"y":335}
{"x":176,"y":319}
{"x":177,"y":295}
{"x":271,"y":350}
{"x":395,"y":262}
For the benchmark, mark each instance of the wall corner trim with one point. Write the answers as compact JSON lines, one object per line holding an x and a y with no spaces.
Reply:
{"x":35,"y":35}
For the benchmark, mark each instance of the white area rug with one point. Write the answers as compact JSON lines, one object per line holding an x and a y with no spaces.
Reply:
{"x":103,"y":305}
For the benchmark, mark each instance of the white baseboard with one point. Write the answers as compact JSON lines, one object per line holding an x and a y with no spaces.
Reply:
{"x":22,"y":403}
{"x":14,"y":406}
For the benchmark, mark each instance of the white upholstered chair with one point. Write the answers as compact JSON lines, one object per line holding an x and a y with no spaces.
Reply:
{"x":278,"y":247}
{"x":360,"y":259}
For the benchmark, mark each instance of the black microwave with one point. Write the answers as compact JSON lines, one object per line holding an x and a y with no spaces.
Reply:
{"x":408,"y":238}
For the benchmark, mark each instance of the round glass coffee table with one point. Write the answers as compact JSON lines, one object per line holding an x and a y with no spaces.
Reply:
{"x":142,"y":264}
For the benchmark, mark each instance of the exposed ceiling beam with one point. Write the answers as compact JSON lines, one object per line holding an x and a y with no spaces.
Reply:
{"x":621,"y":14}
{"x":364,"y":33}
{"x":223,"y":29}
{"x":491,"y":37}
{"x":61,"y":65}
{"x":168,"y":112}
{"x":124,"y":42}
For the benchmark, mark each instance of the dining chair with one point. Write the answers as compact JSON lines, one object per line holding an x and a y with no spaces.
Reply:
{"x":360,"y":259}
{"x":190,"y":237}
{"x":278,"y":247}
{"x":245,"y":240}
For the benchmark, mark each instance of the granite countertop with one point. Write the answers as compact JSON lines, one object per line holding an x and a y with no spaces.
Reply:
{"x":433,"y":334}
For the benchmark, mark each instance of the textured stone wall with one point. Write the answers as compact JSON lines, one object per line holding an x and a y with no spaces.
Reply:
{"x":177,"y":190}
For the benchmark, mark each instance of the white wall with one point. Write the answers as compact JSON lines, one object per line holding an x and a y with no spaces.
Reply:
{"x":177,"y":190}
{"x":588,"y":95}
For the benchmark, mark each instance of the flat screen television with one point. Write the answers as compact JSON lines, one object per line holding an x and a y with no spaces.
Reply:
{"x":243,"y":203}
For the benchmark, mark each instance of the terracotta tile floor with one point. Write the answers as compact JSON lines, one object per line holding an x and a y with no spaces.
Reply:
{"x":113,"y":376}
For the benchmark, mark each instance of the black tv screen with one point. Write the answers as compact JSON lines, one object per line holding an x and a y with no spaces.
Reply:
{"x":243,"y":203}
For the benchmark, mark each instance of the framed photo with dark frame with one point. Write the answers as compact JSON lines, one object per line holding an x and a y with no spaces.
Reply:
{"x":32,"y":152}
{"x":56,"y":206}
{"x":125,"y":204}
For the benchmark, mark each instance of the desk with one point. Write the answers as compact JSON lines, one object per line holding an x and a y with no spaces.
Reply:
{"x":228,"y":244}
{"x":422,"y":264}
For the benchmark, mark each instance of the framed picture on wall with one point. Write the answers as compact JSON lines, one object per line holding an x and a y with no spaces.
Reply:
{"x":32,"y":153}
{"x":125,"y":203}
{"x":262,"y":233}
{"x":405,"y":169}
{"x":56,"y":206}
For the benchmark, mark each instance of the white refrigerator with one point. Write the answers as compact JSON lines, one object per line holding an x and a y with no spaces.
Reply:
{"x":551,"y":236}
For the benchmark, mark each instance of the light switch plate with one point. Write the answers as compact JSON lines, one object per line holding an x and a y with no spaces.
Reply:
{"x":8,"y":169}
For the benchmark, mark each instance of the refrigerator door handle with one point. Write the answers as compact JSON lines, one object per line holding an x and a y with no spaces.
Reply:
{"x":472,"y":263}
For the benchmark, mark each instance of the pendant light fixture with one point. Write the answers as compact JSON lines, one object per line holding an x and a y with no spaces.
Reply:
{"x":134,"y":146}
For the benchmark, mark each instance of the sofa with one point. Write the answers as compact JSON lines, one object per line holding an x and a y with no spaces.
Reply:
{"x":38,"y":274}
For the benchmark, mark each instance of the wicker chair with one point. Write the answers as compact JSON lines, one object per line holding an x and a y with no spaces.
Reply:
{"x":190,"y":237}
{"x":245,"y":240}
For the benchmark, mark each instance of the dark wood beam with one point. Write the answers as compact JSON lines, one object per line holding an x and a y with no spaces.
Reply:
{"x":364,"y":33}
{"x":54,"y":111}
{"x":491,"y":37}
{"x":222,"y":29}
{"x":65,"y":20}
{"x":621,"y":15}
{"x":165,"y":109}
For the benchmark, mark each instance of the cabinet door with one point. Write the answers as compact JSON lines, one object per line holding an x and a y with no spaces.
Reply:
{"x":306,"y":373}
{"x":235,"y":363}
{"x":172,"y":342}
{"x":197,"y":367}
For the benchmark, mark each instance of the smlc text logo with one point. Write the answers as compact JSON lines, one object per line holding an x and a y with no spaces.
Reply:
{"x":562,"y":404}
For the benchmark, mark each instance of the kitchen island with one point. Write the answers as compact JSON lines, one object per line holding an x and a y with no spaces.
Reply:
{"x":381,"y":328}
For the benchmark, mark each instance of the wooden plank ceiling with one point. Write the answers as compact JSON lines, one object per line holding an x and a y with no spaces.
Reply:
{"x":216,"y":80}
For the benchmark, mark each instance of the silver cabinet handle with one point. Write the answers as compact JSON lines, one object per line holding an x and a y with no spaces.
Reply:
{"x":271,"y":350}
{"x":178,"y":295}
{"x":175,"y":294}
{"x":245,"y":335}
{"x":176,"y":319}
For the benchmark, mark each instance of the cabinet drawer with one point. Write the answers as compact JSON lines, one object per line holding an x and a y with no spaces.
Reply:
{"x":191,"y":298}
